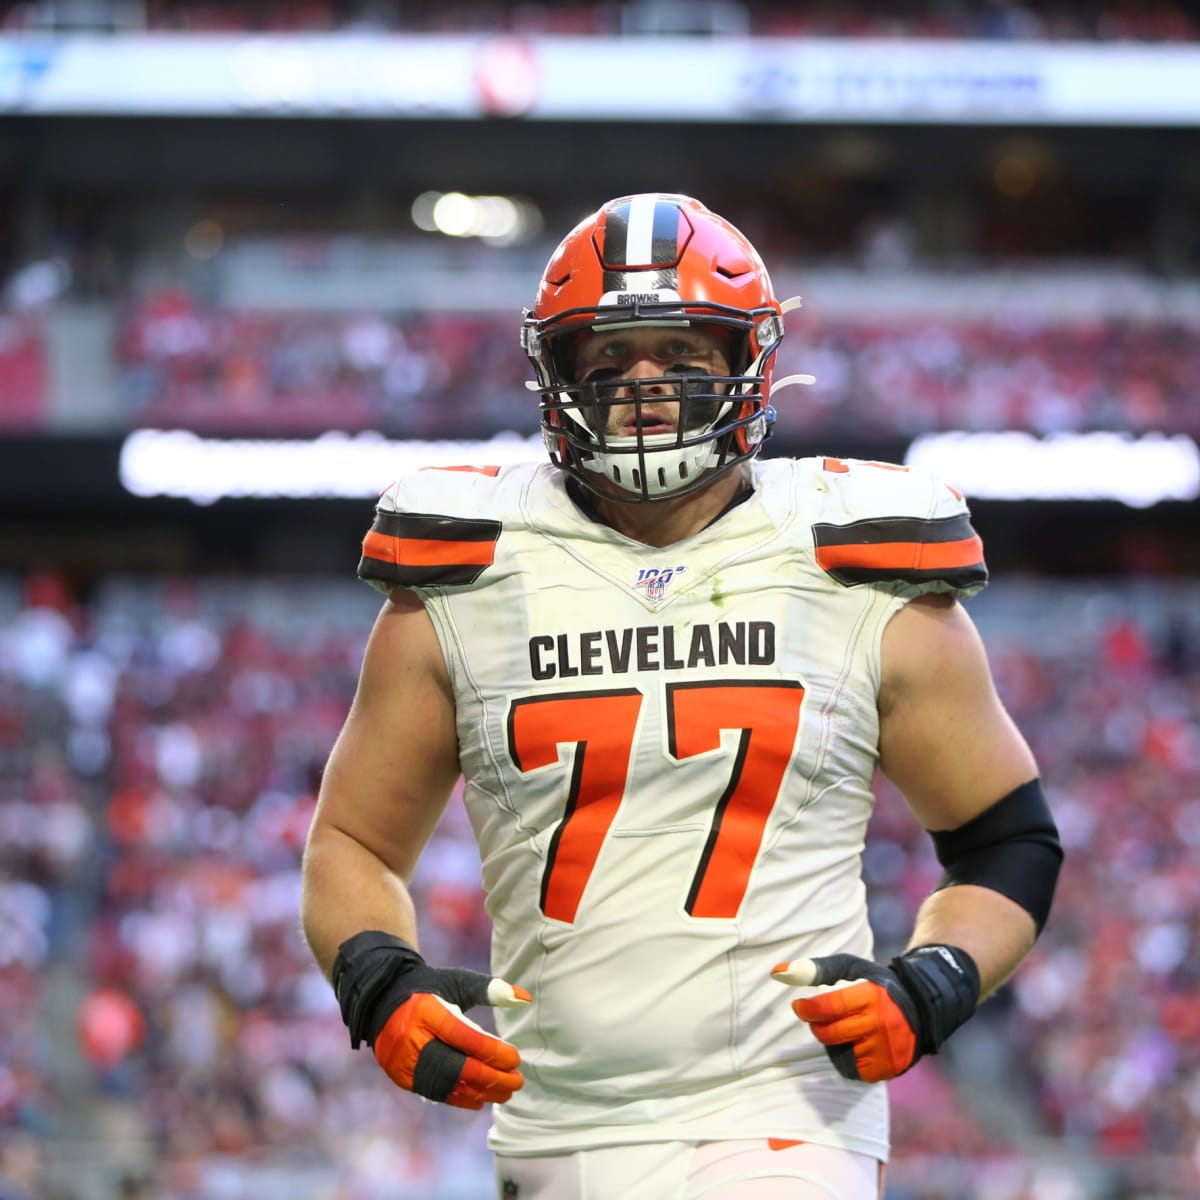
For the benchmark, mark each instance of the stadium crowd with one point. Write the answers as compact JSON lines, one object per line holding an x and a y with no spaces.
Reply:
{"x":163,"y":1033}
{"x":1003,"y":20}
{"x":160,"y":745}
{"x":450,"y":375}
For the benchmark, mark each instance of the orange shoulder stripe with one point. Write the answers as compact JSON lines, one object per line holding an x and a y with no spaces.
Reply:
{"x":427,"y":552}
{"x":922,"y":556}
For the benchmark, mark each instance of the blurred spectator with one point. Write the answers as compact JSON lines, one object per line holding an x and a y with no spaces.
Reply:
{"x":21,"y":1168}
{"x":463,"y":376}
{"x":24,"y":395}
{"x":1001,"y":20}
{"x":155,"y":865}
{"x":215,"y":371}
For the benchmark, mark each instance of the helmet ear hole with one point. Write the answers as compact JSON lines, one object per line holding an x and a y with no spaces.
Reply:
{"x":562,"y":351}
{"x":561,"y":367}
{"x":739,"y":352}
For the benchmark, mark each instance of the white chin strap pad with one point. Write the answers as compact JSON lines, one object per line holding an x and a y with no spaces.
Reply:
{"x":667,"y":468}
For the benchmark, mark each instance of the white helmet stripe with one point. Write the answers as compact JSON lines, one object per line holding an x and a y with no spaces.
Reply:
{"x":641,"y":232}
{"x":639,"y":246}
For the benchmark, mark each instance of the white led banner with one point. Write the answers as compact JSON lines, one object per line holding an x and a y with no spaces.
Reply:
{"x":1138,"y":471}
{"x":601,"y":78}
{"x":333,"y":466}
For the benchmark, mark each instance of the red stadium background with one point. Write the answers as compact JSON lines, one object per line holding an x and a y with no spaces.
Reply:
{"x":210,"y":225}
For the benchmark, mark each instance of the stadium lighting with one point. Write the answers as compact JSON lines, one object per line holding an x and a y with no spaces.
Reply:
{"x":501,"y":220}
{"x":178,"y":463}
{"x":454,"y":215}
{"x":1137,"y":471}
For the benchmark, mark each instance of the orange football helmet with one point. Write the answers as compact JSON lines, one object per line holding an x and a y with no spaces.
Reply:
{"x":655,"y":259}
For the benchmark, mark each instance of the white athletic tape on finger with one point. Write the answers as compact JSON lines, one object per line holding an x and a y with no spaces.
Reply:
{"x":799,"y":973}
{"x":501,"y":994}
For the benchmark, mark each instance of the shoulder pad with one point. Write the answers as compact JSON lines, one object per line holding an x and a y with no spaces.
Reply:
{"x":897,"y":527}
{"x":426,"y":531}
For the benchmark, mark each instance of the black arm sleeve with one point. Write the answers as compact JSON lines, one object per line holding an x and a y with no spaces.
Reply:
{"x":1012,"y":847}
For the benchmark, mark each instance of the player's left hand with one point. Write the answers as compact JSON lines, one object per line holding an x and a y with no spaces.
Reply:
{"x":888,"y":1017}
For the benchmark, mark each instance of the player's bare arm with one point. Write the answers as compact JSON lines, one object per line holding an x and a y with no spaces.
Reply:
{"x":384,"y":788}
{"x":970,"y":778}
{"x":948,"y":744}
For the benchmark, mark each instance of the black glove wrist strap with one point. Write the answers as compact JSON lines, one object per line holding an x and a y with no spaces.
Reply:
{"x":366,"y":967}
{"x":943,"y":982}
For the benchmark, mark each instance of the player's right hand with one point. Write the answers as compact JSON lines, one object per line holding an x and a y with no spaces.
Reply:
{"x":412,"y":1015}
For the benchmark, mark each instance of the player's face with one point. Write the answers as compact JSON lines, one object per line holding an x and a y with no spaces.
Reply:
{"x":614,"y":360}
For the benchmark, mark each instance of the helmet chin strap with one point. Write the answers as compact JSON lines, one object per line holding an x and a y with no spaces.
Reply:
{"x":667,"y":466}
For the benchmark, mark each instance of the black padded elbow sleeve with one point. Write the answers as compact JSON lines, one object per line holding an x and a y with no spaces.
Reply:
{"x":1012,"y":847}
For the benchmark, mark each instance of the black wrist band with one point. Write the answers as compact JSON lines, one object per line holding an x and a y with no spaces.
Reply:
{"x":944,"y":984}
{"x":365,"y":968}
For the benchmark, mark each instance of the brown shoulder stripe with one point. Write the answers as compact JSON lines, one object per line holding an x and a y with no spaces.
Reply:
{"x":416,"y":549}
{"x":909,"y":549}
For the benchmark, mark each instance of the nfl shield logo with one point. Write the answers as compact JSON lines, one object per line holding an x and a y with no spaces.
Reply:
{"x":655,"y":580}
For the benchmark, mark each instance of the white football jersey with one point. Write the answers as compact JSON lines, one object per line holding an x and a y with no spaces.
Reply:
{"x":668,"y":756}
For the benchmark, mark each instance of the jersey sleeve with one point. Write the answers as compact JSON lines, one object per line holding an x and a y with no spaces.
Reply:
{"x":427,"y":533}
{"x":900,"y":529}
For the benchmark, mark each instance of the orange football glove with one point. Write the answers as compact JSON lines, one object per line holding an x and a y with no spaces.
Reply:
{"x":879,"y":1026}
{"x":412,"y":1016}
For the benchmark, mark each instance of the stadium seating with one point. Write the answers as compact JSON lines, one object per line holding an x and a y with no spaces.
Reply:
{"x":410,"y":375}
{"x":198,"y":1023}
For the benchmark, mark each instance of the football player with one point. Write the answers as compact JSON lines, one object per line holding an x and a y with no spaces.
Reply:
{"x":667,"y":670}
